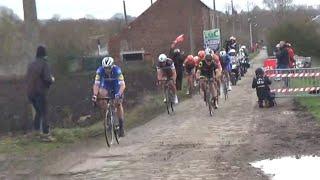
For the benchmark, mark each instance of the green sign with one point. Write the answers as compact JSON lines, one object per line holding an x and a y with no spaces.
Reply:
{"x":211,"y":39}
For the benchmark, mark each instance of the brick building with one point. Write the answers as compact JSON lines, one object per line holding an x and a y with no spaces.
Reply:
{"x":153,"y":31}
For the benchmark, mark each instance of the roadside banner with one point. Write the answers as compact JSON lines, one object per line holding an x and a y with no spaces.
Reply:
{"x":211,"y":39}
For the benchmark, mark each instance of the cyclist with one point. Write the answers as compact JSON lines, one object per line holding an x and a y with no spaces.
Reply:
{"x":189,"y":65}
{"x":235,"y":63}
{"x":205,"y":72}
{"x":109,"y":82}
{"x":218,"y":71}
{"x":226,"y":67}
{"x":166,"y":70}
{"x":201,"y":55}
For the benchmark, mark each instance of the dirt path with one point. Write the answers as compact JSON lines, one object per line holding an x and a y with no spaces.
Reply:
{"x":192,"y":145}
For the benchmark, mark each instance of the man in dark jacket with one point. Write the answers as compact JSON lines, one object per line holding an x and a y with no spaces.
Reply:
{"x":283,"y":56}
{"x":39,"y":80}
{"x":261,"y":83}
{"x":178,"y":58}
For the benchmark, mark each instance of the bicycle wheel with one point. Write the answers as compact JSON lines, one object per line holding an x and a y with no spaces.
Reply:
{"x":171,"y":96}
{"x":233,"y":79}
{"x":209,"y":102}
{"x":168,"y":100}
{"x":116,"y":131}
{"x":108,"y":128}
{"x":225,"y":88}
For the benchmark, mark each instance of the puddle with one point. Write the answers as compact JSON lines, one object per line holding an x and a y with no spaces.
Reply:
{"x":306,"y":167}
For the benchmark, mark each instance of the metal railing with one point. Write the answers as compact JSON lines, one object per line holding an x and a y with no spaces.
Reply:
{"x":300,"y":82}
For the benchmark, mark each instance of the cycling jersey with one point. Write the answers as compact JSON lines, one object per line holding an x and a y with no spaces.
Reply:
{"x":166,"y":67}
{"x":110,"y":82}
{"x":217,"y":61}
{"x":226,"y":63}
{"x":207,"y":70}
{"x":197,"y":62}
{"x":189,"y":66}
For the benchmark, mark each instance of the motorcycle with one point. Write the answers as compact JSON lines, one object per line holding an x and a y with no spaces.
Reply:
{"x":243,"y":66}
{"x":235,"y":71}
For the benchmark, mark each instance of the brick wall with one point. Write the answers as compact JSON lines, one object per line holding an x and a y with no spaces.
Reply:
{"x":154,"y":30}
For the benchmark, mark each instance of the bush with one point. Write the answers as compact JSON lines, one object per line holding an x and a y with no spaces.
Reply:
{"x":304,"y":37}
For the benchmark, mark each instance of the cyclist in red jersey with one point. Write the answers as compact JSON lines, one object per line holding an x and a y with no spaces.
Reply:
{"x":189,"y":65}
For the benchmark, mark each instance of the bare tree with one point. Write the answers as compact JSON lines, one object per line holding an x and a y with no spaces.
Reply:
{"x":31,"y":28}
{"x":277,"y":4}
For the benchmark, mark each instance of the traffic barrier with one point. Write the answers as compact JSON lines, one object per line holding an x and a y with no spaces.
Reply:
{"x":295,"y":82}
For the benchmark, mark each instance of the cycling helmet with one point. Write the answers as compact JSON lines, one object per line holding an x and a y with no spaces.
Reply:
{"x":232,"y":38}
{"x":243,"y":47}
{"x":107,"y":62}
{"x":232,"y":51}
{"x":208,"y":51}
{"x":176,"y":51}
{"x":196,"y":58}
{"x":190,"y":58}
{"x":162,"y":58}
{"x":223,"y":53}
{"x":259,"y":71}
{"x":201,"y":54}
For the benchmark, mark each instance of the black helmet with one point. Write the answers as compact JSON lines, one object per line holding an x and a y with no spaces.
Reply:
{"x":259,"y":72}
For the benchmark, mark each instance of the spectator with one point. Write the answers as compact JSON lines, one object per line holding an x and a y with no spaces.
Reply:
{"x":39,"y":80}
{"x":178,"y":58}
{"x":283,"y":56}
{"x":291,"y":55}
{"x":231,"y":44}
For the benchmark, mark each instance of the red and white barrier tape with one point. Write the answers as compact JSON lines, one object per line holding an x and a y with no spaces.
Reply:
{"x":294,"y":90}
{"x":294,"y":75}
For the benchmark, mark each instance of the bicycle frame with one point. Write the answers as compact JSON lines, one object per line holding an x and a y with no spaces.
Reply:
{"x":110,"y":122}
{"x":168,"y":94}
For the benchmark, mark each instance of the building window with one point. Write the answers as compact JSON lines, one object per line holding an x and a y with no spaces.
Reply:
{"x":132,"y":55}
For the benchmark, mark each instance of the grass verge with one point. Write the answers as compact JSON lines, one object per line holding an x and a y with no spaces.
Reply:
{"x":151,"y":107}
{"x":312,"y":104}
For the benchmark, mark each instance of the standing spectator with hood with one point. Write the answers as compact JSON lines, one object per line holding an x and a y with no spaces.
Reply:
{"x":283,"y":56}
{"x":39,"y":80}
{"x":178,"y":58}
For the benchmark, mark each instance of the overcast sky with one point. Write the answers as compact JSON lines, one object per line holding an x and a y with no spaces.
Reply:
{"x":103,"y":9}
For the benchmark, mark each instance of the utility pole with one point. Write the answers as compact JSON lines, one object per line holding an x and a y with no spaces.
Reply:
{"x":31,"y":28}
{"x":190,"y":24}
{"x":233,"y":19}
{"x":250,"y":31}
{"x":151,"y":2}
{"x":125,"y":12}
{"x":214,"y":14}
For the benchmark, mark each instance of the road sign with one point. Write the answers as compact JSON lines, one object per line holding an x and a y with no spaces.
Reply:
{"x":211,"y":39}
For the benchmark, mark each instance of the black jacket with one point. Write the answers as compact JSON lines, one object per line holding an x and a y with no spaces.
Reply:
{"x":261,"y":84}
{"x":283,"y":57}
{"x":38,"y":77}
{"x":178,"y":60}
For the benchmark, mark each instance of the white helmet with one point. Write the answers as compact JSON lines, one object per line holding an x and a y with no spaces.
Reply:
{"x":232,"y":51}
{"x":162,"y":58}
{"x":107,"y":62}
{"x":232,"y":38}
{"x":223,"y":53}
{"x":243,"y":47}
{"x":208,"y":51}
